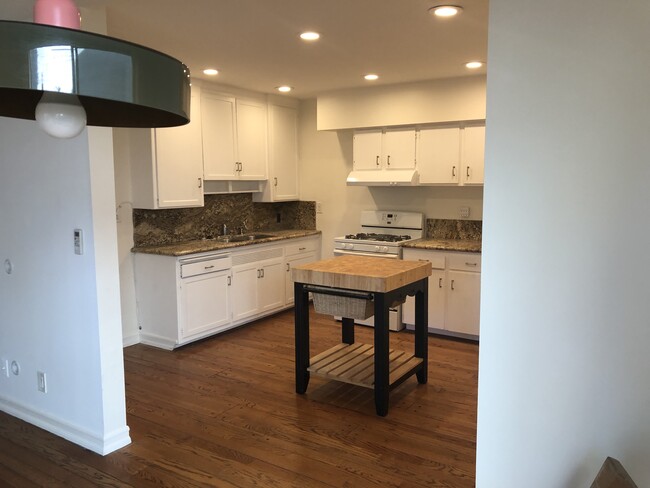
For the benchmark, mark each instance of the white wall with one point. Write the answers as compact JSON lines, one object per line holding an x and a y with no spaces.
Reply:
{"x":325,"y":161}
{"x":60,"y":311}
{"x":564,"y":361}
{"x":423,"y":102}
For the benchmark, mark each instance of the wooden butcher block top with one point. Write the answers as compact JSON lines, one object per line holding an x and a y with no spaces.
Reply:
{"x":362,"y":273}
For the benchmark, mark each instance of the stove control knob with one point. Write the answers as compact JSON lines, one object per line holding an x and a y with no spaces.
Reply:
{"x":384,"y":249}
{"x":350,"y":246}
{"x":378,"y":248}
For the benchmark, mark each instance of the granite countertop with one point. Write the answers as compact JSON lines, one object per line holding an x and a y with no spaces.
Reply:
{"x":207,"y":245}
{"x":462,"y":245}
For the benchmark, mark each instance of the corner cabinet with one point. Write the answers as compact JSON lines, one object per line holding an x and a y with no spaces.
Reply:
{"x":451,"y":155}
{"x":184,"y":299}
{"x":454,"y":292}
{"x":282,"y":184}
{"x":166,"y":164}
{"x":234,"y":137}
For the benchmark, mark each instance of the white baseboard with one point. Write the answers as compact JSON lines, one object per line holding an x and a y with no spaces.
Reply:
{"x":97,"y":443}
{"x":130,"y":340}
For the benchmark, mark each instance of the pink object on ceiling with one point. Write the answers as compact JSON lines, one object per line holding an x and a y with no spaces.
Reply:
{"x":60,"y":13}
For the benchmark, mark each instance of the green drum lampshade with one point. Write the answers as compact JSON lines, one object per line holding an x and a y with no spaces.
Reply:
{"x":118,"y":83}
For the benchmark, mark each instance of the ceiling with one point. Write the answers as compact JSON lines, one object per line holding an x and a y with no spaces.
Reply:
{"x":255,"y":44}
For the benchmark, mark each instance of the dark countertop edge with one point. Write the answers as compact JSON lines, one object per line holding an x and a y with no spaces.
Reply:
{"x":200,"y":246}
{"x":456,"y":245}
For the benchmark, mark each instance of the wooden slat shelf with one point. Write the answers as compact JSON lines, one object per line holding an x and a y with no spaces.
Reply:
{"x":354,"y":364}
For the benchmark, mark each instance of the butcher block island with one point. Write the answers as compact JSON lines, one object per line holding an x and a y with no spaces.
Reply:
{"x":354,"y":287}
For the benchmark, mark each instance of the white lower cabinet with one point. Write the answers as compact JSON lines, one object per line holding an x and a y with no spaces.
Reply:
{"x":256,"y":279}
{"x":301,"y":251}
{"x":454,"y":292}
{"x":184,"y":299}
{"x":204,"y":304}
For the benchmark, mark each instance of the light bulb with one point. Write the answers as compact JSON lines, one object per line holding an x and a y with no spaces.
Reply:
{"x":60,"y":115}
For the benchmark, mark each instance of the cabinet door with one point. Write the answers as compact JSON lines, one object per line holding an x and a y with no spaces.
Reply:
{"x":473,"y":155}
{"x":251,"y":140}
{"x":366,"y":150}
{"x":271,"y":283}
{"x":179,"y":162}
{"x":283,"y":152}
{"x":205,"y":304}
{"x":244,"y":291}
{"x":463,"y":302}
{"x":439,"y":156}
{"x":436,"y":303}
{"x":295,"y":261}
{"x":398,"y":149}
{"x":218,"y":129}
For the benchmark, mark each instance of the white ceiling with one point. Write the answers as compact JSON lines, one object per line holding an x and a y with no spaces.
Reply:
{"x":255,"y":44}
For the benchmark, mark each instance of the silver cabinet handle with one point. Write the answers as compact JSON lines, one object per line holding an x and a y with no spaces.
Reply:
{"x":377,"y":161}
{"x":452,"y":284}
{"x":275,"y":181}
{"x":453,"y":171}
{"x":425,"y":260}
{"x":388,"y":160}
{"x":262,"y":273}
{"x":470,"y":264}
{"x":200,"y":182}
{"x":439,"y":282}
{"x":229,"y":280}
{"x":288,"y":267}
{"x":208,"y":267}
{"x":301,"y":248}
{"x":259,"y":273}
{"x":467,"y":173}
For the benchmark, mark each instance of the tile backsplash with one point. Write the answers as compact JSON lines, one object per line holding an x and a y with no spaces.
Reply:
{"x":154,"y":227}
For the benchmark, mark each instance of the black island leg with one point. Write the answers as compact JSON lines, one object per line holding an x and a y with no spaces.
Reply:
{"x":347,"y":330}
{"x":301,"y":298}
{"x":381,"y":355}
{"x":422,"y":330}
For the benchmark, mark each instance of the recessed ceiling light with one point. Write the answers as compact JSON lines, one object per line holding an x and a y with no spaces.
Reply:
{"x":211,"y":71}
{"x":310,"y":36}
{"x":371,"y":77}
{"x":445,"y":10}
{"x":284,"y":88}
{"x":473,"y":64}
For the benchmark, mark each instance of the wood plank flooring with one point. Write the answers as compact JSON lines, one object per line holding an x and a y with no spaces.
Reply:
{"x":224,"y":413}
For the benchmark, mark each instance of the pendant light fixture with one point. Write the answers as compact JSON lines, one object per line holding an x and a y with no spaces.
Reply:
{"x":66,"y":78}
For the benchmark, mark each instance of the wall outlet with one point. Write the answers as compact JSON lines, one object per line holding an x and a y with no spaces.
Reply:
{"x":41,"y":381}
{"x":319,"y":208}
{"x":463,"y":212}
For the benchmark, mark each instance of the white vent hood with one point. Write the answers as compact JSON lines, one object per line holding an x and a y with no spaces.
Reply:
{"x":386,"y":177}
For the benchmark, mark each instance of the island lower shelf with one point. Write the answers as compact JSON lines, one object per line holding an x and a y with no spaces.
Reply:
{"x":354,"y":364}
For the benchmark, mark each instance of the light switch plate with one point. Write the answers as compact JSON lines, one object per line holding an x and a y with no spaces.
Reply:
{"x":78,"y":241}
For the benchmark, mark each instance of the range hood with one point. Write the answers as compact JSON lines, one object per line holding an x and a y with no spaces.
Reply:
{"x":385,"y":177}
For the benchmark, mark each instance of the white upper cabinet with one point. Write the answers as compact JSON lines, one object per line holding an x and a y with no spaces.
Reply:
{"x":166,"y":164}
{"x":451,"y":156}
{"x":439,"y":156}
{"x":234,"y":137}
{"x":377,"y":150}
{"x":473,"y":155}
{"x":283,"y":156}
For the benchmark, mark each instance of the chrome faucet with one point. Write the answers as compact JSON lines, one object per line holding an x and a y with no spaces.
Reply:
{"x":224,"y":230}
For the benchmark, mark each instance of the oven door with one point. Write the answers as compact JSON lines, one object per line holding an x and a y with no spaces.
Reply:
{"x":344,"y":252}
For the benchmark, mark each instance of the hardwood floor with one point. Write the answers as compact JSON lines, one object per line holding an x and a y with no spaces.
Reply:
{"x":223,"y":413}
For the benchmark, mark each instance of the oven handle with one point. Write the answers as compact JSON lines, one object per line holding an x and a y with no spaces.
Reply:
{"x":341,"y":252}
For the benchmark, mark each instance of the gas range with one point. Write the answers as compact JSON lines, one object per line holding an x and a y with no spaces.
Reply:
{"x":382,"y":234}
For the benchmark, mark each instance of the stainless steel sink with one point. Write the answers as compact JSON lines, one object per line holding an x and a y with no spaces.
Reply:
{"x":243,"y":237}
